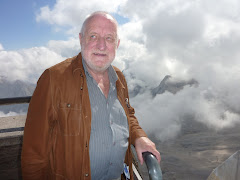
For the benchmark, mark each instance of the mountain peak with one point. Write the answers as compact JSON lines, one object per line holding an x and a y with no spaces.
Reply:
{"x":172,"y":85}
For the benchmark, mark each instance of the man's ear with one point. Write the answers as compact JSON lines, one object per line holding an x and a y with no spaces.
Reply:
{"x":80,"y":37}
{"x":118,"y":43}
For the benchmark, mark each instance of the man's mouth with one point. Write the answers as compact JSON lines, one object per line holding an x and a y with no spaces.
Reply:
{"x":99,"y":54}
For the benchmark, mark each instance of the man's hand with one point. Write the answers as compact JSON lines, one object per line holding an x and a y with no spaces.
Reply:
{"x":143,"y":144}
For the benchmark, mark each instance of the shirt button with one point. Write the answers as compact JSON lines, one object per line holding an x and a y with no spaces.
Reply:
{"x":86,"y":174}
{"x":68,"y":105}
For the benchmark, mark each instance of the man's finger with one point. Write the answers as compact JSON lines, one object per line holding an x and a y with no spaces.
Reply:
{"x":140,"y":157}
{"x":157,"y":155}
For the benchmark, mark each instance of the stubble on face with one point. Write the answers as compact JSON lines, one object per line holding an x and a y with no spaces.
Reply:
{"x":99,"y":43}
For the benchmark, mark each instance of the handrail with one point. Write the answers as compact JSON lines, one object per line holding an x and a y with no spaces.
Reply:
{"x":15,"y":100}
{"x":154,"y":170}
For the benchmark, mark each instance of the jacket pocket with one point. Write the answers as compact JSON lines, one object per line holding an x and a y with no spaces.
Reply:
{"x":69,"y":116}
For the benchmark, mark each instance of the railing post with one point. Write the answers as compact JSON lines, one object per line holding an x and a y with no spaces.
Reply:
{"x":154,"y":170}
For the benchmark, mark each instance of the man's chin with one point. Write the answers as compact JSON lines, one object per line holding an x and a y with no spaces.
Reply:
{"x":102,"y":65}
{"x":99,"y":69}
{"x":98,"y":65}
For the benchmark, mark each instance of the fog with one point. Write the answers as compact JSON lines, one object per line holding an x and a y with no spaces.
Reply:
{"x":187,"y":40}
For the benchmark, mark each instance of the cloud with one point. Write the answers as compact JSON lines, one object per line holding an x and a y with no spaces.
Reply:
{"x":27,"y":64}
{"x":72,"y":13}
{"x":2,"y":114}
{"x":185,"y":39}
{"x":66,"y":48}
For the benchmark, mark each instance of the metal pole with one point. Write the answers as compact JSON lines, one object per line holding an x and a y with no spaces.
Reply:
{"x":154,"y":170}
{"x":15,"y":100}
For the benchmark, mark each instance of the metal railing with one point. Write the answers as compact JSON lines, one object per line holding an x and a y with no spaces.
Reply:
{"x":154,"y":170}
{"x":15,"y":100}
{"x":151,"y":162}
{"x":11,"y":101}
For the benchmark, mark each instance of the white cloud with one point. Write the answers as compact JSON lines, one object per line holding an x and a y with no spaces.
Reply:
{"x":185,"y":39}
{"x":73,"y":12}
{"x":27,"y":64}
{"x":66,"y":49}
{"x":2,"y":114}
{"x":227,"y":9}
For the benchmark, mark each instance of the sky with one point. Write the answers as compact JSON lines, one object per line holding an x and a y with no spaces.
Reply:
{"x":186,"y":39}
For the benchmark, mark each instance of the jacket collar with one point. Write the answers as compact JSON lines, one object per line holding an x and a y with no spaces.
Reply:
{"x":77,"y":64}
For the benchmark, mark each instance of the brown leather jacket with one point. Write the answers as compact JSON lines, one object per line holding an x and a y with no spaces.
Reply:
{"x":58,"y":125}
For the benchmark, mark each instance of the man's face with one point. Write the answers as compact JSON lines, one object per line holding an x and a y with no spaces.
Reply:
{"x":99,"y":43}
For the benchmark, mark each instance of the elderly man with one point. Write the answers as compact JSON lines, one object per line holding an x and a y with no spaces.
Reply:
{"x":80,"y":124}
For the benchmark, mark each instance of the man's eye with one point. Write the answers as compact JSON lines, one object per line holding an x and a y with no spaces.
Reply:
{"x":92,"y":36}
{"x":110,"y":39}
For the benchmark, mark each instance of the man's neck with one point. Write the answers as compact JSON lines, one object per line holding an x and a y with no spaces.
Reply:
{"x":102,"y":80}
{"x":99,"y":76}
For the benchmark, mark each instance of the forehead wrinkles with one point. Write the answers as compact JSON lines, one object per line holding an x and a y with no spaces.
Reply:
{"x":101,"y":23}
{"x":100,"y":31}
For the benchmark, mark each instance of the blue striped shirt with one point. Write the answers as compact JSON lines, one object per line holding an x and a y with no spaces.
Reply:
{"x":109,"y":130}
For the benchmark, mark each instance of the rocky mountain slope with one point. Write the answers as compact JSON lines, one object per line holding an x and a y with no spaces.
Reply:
{"x":196,"y":151}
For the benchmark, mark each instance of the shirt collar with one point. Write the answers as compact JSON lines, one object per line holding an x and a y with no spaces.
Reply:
{"x":111,"y":72}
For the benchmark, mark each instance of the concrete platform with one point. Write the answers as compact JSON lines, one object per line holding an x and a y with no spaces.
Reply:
{"x":11,"y":136}
{"x":11,"y":130}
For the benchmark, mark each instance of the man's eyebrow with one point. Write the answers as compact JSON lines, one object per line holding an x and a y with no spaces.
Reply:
{"x":92,"y":32}
{"x":110,"y":34}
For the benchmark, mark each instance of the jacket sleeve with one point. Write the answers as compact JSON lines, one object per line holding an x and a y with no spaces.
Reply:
{"x":136,"y":131}
{"x":36,"y":140}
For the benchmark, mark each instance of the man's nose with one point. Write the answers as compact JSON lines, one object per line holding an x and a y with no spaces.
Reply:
{"x":101,"y":44}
